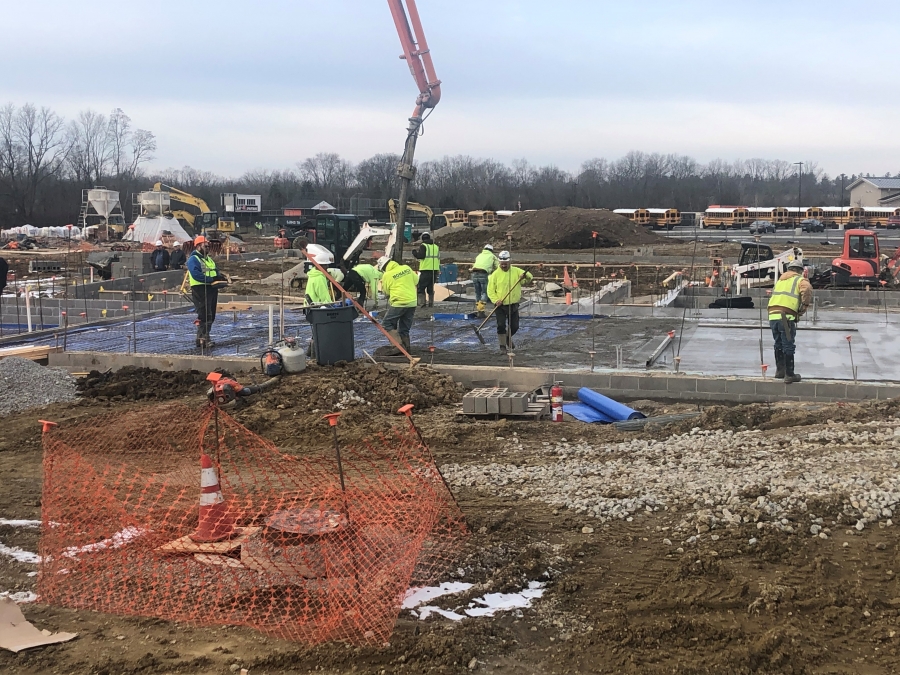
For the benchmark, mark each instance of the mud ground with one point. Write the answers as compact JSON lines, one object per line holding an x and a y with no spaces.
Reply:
{"x":618,"y":601}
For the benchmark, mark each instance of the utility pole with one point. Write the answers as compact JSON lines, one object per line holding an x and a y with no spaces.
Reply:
{"x":799,"y":190}
{"x":843,"y":176}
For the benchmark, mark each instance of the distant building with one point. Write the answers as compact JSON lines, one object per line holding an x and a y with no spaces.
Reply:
{"x":871,"y":191}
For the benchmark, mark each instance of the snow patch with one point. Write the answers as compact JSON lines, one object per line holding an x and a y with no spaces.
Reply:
{"x":19,"y":554}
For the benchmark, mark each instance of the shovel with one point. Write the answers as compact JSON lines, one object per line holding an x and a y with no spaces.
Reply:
{"x":488,"y":317}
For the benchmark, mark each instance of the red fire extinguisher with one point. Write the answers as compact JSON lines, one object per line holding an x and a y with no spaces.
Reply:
{"x":556,"y":402}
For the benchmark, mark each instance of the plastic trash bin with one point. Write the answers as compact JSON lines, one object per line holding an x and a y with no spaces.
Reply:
{"x":332,"y":329}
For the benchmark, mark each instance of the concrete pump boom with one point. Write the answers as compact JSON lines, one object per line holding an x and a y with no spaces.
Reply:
{"x":418,"y":58}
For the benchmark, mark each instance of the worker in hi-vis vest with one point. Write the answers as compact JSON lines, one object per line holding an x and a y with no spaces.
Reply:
{"x":429,"y":256}
{"x":205,"y":283}
{"x":790,"y":298}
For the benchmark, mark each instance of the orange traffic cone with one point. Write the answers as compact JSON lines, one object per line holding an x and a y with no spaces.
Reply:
{"x":567,"y":282}
{"x":216,"y":522}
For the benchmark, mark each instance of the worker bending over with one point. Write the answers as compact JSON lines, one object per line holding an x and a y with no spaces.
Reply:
{"x":399,"y":285}
{"x":363,"y":279}
{"x":319,"y":290}
{"x":429,"y":256}
{"x":205,"y":282}
{"x":485,"y":264}
{"x":790,"y":298}
{"x":505,"y":291}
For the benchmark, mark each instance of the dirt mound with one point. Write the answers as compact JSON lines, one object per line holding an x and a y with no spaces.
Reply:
{"x":555,"y":228}
{"x":142,"y":384}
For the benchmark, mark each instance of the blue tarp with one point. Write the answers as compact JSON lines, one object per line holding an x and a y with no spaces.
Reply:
{"x":596,"y":407}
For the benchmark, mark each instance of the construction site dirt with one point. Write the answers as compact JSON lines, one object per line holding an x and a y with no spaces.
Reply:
{"x":675,"y":587}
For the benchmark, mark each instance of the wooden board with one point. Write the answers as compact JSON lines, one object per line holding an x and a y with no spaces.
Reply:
{"x":39,"y":353}
{"x":187,"y":545}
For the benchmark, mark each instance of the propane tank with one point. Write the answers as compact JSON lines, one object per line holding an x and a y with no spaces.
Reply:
{"x":556,"y":402}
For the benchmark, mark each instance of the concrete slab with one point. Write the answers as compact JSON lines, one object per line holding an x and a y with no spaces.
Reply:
{"x":731,"y":350}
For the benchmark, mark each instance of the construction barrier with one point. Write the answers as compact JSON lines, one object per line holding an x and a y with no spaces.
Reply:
{"x":186,"y":515}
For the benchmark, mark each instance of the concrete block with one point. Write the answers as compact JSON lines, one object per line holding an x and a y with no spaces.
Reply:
{"x":740,"y":386}
{"x":518,"y":402}
{"x":469,"y":403}
{"x":683,"y":383}
{"x":493,"y":402}
{"x":506,"y":404}
{"x":770,"y":387}
{"x":835,"y":390}
{"x":861,"y":392}
{"x":480,"y":404}
{"x":622,"y":382}
{"x":887,"y":392}
{"x":757,"y":398}
{"x":653,"y":383}
{"x":805,"y":390}
{"x":711,"y":386}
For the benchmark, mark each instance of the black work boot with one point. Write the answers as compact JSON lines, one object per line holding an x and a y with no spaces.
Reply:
{"x":502,"y":337}
{"x":790,"y":376}
{"x":779,"y":364}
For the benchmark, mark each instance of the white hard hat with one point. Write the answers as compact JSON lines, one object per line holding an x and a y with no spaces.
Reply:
{"x":382,"y":263}
{"x":504,"y":255}
{"x":336,"y":274}
{"x":488,"y":247}
{"x":177,"y":243}
{"x":320,"y":254}
{"x":795,"y":264}
{"x":158,"y":242}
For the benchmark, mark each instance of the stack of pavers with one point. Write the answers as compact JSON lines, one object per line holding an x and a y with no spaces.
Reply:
{"x":495,"y":401}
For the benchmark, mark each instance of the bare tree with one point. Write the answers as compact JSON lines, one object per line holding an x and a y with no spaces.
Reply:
{"x":32,"y":149}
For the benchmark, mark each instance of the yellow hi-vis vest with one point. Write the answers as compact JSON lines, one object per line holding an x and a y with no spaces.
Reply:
{"x":209,"y":271}
{"x":785,"y":294}
{"x":432,"y":260}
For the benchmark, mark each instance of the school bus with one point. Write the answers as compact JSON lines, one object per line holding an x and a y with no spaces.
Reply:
{"x":664,"y":219}
{"x":877,"y":216}
{"x":727,"y":217}
{"x":481,"y":218}
{"x":636,"y":216}
{"x":456,"y":218}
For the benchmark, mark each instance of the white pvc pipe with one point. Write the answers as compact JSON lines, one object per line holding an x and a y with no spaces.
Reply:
{"x":28,"y":307}
{"x":271,"y":324}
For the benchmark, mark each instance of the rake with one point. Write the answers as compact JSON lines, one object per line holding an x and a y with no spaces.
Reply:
{"x":496,"y":307}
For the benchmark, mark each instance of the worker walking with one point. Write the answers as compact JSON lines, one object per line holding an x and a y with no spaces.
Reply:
{"x":159,"y":259}
{"x":791,"y":297}
{"x":363,"y":279}
{"x":485,"y":264}
{"x":505,"y":291}
{"x":205,"y":282}
{"x":429,"y":256}
{"x":399,"y":285}
{"x":177,"y":259}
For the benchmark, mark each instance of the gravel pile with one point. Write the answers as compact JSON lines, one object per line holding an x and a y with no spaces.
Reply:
{"x":24,"y":384}
{"x":806,"y":481}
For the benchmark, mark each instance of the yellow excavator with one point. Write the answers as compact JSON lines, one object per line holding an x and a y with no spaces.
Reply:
{"x":206,"y":222}
{"x":435,"y":222}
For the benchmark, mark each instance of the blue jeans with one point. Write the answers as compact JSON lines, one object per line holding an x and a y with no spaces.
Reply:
{"x":399,"y":319}
{"x":480,"y":282}
{"x":784,"y":341}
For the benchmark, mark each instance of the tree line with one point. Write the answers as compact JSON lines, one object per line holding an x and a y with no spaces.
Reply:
{"x":46,"y":161}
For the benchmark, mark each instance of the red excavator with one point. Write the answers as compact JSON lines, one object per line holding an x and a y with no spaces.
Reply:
{"x":861,"y":262}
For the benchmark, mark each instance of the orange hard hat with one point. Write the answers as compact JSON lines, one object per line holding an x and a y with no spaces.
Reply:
{"x":200,"y":239}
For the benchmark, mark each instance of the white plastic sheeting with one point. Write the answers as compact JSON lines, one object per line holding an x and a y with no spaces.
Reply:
{"x":150,"y":230}
{"x":46,"y":232}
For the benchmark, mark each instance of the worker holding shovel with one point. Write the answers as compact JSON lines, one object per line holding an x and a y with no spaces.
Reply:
{"x":505,"y":291}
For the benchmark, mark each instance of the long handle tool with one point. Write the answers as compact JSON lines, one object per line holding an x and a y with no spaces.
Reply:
{"x":496,"y":307}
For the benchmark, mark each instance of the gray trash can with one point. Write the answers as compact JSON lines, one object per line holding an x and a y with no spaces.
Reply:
{"x":332,"y":329}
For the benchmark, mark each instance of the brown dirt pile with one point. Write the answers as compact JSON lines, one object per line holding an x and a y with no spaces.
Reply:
{"x":557,"y":228}
{"x":142,"y":384}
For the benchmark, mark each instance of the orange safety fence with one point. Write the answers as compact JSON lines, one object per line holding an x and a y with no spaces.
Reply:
{"x":270,"y":541}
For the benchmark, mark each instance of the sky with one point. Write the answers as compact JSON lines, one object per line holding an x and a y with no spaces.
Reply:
{"x":231,"y":86}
